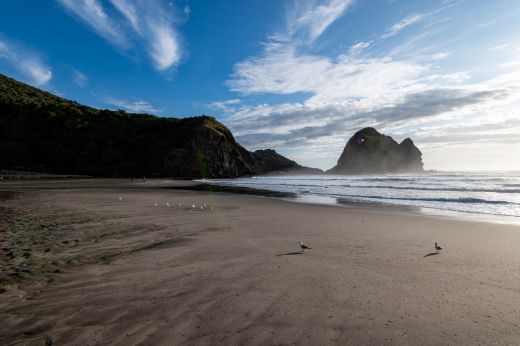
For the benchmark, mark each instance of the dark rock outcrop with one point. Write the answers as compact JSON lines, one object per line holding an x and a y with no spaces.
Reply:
{"x":370,"y":152}
{"x":45,"y":133}
{"x":269,"y":161}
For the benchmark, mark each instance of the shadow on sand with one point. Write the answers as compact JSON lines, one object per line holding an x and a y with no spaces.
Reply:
{"x":432,"y":254}
{"x":291,"y":253}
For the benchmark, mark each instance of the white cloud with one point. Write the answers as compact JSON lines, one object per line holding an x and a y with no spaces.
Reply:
{"x":40,"y":74}
{"x":286,"y":72}
{"x":145,"y":24}
{"x":397,"y":27}
{"x":313,"y":19}
{"x":25,"y":61}
{"x":133,"y":106}
{"x":164,"y":46}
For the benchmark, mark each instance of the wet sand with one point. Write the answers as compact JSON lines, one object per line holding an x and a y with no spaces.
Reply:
{"x":92,"y":262}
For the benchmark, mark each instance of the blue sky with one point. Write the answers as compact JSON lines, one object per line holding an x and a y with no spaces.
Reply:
{"x":297,"y":76}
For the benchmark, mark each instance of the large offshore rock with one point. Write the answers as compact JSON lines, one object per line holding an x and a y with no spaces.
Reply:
{"x":370,"y":152}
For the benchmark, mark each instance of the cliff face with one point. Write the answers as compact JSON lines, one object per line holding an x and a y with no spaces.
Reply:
{"x":269,"y":161}
{"x":45,"y":133}
{"x":370,"y":152}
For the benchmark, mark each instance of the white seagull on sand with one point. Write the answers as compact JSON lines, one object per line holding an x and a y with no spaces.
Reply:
{"x":304,"y":246}
{"x":437,"y":247}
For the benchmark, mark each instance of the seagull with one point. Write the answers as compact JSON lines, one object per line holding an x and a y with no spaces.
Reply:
{"x":179,"y":205}
{"x":155,"y":204}
{"x":437,"y":247}
{"x":304,"y":246}
{"x":167,"y":204}
{"x":120,"y":198}
{"x":193,"y":206}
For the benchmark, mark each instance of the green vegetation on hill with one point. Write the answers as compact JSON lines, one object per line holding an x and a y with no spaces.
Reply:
{"x":45,"y":133}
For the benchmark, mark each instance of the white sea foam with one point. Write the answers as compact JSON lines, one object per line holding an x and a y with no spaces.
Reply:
{"x":496,"y":193}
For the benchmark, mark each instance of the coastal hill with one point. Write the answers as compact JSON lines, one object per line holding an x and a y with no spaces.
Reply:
{"x":269,"y":161}
{"x":41,"y":132}
{"x":370,"y":152}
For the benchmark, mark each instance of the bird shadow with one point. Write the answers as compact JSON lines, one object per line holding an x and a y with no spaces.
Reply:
{"x":432,"y":254}
{"x":291,"y":253}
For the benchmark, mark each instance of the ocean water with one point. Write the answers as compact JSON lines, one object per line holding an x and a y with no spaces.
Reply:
{"x":485,"y":193}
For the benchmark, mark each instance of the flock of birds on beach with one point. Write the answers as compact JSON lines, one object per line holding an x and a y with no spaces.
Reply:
{"x":303,"y":246}
{"x":203,"y":206}
{"x":192,"y":207}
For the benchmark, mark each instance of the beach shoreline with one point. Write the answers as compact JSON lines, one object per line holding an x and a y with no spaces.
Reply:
{"x":196,"y":185}
{"x":121,"y":270}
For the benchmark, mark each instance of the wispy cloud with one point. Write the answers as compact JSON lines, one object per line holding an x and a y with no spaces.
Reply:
{"x":281,"y":68}
{"x":138,"y":106}
{"x":93,"y":13}
{"x":501,"y":47}
{"x":359,"y":46}
{"x":79,"y":78}
{"x":153,"y":23}
{"x":26,"y":61}
{"x":406,"y":22}
{"x":147,"y":25}
{"x":187,"y":11}
{"x":312,"y":19}
{"x":129,"y":11}
{"x":225,"y":105}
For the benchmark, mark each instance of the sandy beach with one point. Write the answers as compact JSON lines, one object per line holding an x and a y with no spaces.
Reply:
{"x":95,"y":262}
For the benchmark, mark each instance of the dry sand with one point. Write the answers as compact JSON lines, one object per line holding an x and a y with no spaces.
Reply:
{"x":80,"y":266}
